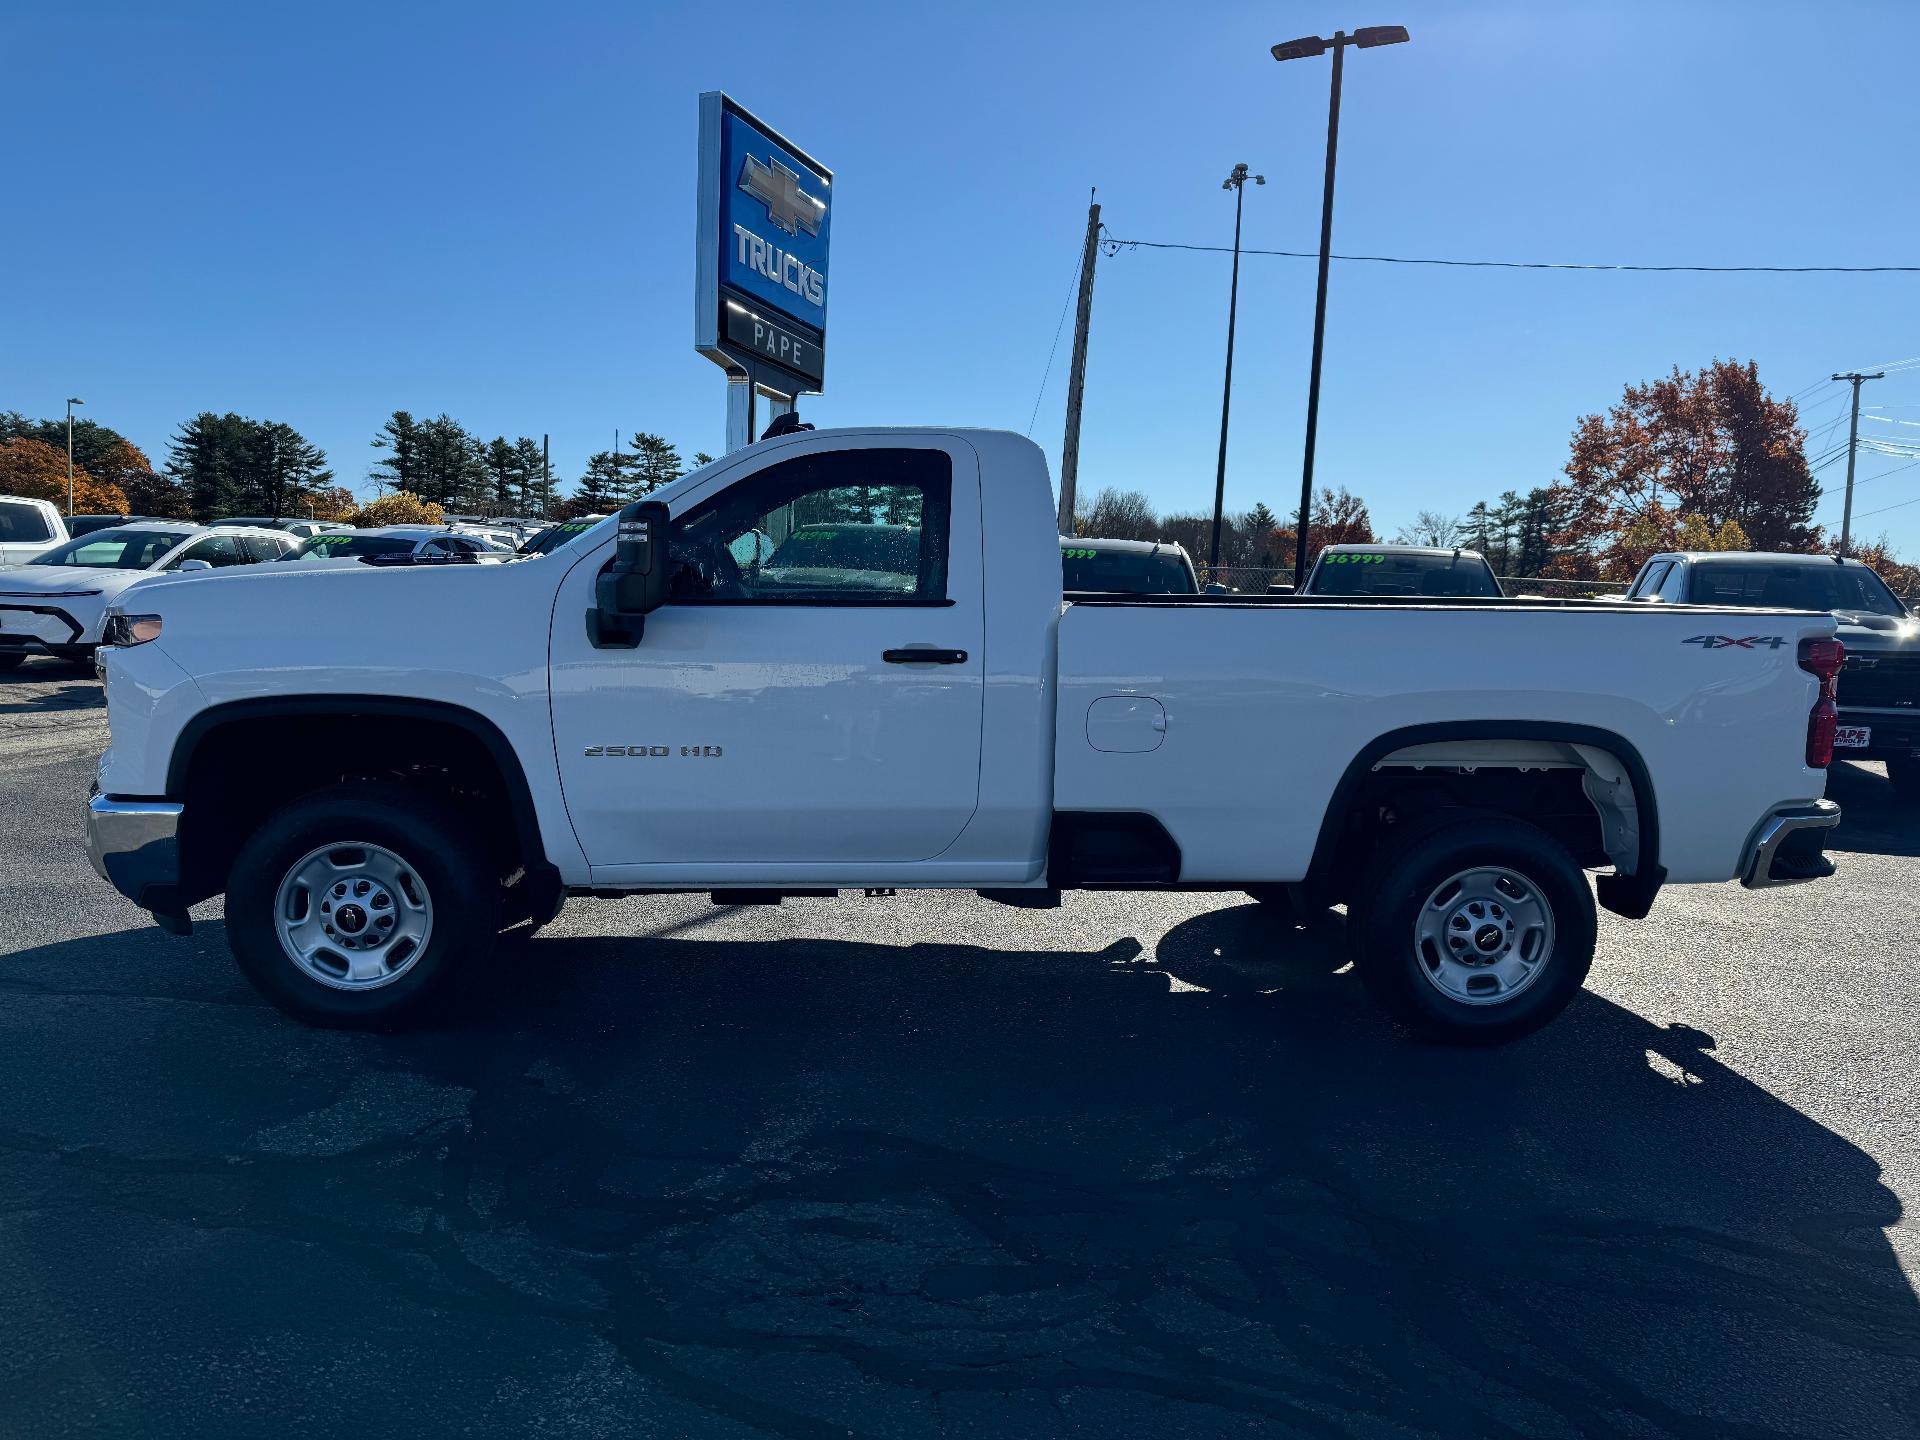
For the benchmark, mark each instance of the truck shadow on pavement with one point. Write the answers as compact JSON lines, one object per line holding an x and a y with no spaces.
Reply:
{"x":1873,"y":820}
{"x":815,"y":1188}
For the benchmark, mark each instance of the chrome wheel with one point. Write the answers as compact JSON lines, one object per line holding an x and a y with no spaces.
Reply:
{"x":353,"y":916}
{"x":1484,"y":935}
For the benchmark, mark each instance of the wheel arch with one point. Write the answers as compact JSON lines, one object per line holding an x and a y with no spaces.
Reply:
{"x":1628,"y":891}
{"x":238,"y":716}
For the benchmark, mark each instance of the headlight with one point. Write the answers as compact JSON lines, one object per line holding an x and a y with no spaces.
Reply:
{"x":121,"y":628}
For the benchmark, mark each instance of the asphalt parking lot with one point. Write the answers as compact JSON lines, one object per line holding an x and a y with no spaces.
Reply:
{"x":1142,"y":1166}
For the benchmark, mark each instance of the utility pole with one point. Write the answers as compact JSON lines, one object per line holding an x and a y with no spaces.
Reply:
{"x":1853,"y":445}
{"x":73,"y":401}
{"x":1077,"y":375}
{"x":546,"y":477}
{"x":1236,"y":182}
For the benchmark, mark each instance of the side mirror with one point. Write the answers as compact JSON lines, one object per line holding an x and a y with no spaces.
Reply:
{"x":635,"y":580}
{"x":186,"y":566}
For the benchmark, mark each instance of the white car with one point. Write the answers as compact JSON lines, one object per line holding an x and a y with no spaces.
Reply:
{"x":903,"y":699}
{"x":28,"y":528}
{"x":54,"y":603}
{"x":398,"y":545}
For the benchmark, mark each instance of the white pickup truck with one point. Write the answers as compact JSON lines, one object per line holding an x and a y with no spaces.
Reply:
{"x":843,"y":659}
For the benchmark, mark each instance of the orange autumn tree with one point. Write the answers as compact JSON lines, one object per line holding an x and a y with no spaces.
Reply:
{"x":39,"y":472}
{"x":1711,"y":447}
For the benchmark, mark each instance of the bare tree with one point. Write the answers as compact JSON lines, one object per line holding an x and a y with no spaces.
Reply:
{"x":1119,"y":515}
{"x":1430,"y":527}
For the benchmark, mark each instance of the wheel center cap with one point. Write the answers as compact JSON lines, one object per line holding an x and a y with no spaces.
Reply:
{"x":350,"y":918}
{"x":1488,"y":937}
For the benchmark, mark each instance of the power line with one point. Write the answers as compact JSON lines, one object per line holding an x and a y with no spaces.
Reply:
{"x":1055,"y":349}
{"x":1115,"y":246}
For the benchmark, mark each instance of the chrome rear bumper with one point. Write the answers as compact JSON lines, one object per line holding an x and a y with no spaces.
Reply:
{"x":1766,"y":865}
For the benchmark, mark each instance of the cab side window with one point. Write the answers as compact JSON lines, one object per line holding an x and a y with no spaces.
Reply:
{"x":849,"y":527}
{"x":1649,"y":581}
{"x":1673,"y":587}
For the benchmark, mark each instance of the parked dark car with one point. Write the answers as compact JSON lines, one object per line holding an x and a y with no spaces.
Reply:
{"x":1410,"y":571}
{"x":78,"y":525}
{"x":1126,"y":567}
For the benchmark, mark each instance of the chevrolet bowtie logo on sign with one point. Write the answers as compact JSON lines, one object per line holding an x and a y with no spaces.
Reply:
{"x":778,"y":188}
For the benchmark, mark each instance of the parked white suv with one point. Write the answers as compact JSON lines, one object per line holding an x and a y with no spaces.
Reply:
{"x":28,"y":528}
{"x":55,"y":603}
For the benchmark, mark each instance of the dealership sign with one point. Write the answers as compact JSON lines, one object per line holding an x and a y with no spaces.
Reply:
{"x":760,"y":301}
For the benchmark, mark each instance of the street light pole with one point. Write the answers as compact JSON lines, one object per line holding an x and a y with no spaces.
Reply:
{"x":71,"y":402}
{"x":1236,"y":182}
{"x":1365,"y":39}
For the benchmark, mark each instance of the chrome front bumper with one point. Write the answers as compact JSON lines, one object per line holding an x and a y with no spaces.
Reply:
{"x":135,"y":846}
{"x":1766,"y":865}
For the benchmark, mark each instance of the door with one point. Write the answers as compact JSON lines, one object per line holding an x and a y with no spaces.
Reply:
{"x":810,"y":695}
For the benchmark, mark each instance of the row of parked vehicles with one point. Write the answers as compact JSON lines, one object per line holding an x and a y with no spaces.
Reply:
{"x":59,"y":574}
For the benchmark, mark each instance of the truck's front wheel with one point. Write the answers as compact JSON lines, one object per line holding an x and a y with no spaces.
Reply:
{"x":351,"y":906}
{"x":1477,"y":931}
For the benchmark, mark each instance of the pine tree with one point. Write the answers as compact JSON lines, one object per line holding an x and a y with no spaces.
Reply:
{"x":653,"y":463}
{"x":534,"y":490}
{"x":603,"y":486}
{"x":206,"y":456}
{"x":399,"y":468}
{"x":700,"y":457}
{"x":276,"y":468}
{"x":503,"y":473}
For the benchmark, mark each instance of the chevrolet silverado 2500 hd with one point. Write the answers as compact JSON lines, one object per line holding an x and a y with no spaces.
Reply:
{"x":456,"y":749}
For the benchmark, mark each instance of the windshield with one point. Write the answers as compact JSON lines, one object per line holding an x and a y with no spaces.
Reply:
{"x":1383,"y":572}
{"x":554,"y":536}
{"x":1125,"y":572}
{"x":113,"y":549}
{"x":1772,"y":585}
{"x":336,"y":546}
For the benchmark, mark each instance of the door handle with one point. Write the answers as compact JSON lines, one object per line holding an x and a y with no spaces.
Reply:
{"x":924,"y":655}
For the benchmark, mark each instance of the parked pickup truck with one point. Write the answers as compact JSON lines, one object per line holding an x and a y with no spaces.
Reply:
{"x":1879,"y":689}
{"x":641,"y":710}
{"x":28,"y":528}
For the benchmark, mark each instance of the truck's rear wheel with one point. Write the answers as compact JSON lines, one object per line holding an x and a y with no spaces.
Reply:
{"x":353,"y":906}
{"x":1474,"y":932}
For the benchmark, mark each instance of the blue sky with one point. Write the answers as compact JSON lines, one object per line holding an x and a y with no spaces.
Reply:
{"x":319,"y":214}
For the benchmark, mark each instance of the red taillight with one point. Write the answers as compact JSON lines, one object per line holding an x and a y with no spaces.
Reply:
{"x":1823,"y":659}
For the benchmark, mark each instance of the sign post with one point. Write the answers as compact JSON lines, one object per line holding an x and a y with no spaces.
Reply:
{"x":760,"y":292}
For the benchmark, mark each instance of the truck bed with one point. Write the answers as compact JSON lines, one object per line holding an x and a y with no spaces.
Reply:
{"x":1232,"y":719}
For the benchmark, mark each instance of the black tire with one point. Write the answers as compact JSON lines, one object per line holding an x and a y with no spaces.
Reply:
{"x":1406,"y":873}
{"x":1904,"y":772}
{"x":427,"y":835}
{"x":10,"y":660}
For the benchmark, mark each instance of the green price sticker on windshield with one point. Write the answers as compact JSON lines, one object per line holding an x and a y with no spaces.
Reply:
{"x":1341,"y":558}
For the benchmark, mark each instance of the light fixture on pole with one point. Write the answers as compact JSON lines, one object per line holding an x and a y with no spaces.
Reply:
{"x":71,"y":402}
{"x":1236,"y":182}
{"x":1305,"y":48}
